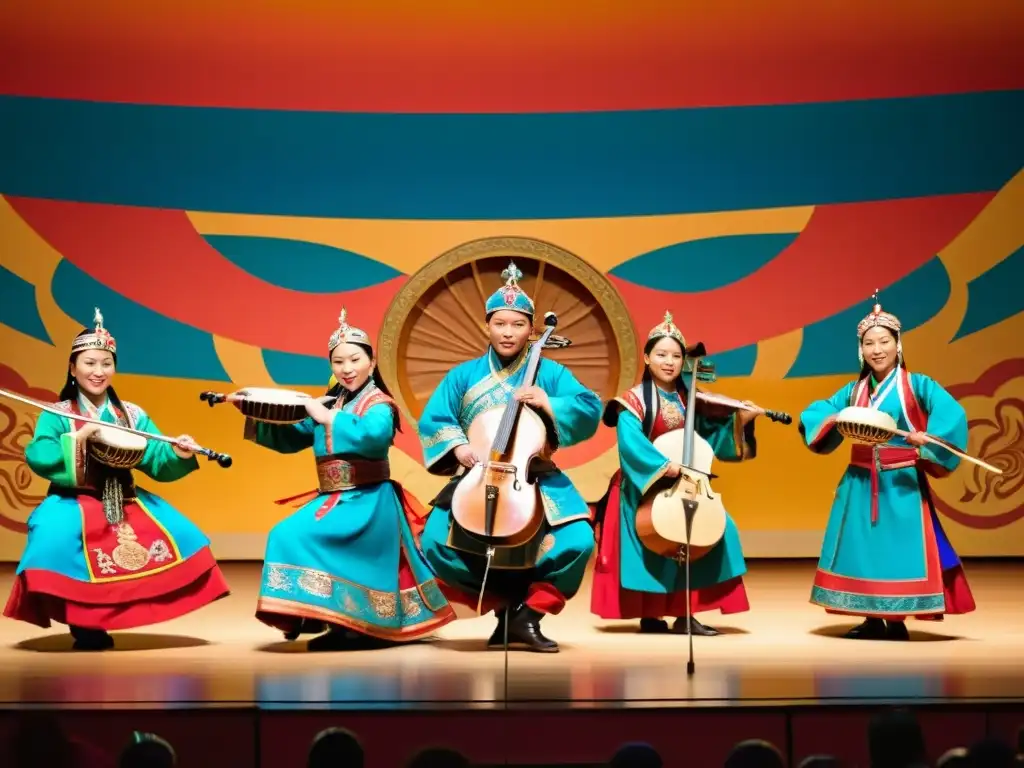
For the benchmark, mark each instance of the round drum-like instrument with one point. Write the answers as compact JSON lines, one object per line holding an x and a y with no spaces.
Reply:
{"x":866,"y":425}
{"x":117,"y":449}
{"x":273,"y":406}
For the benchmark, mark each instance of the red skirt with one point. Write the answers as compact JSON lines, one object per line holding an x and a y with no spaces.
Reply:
{"x":610,"y":600}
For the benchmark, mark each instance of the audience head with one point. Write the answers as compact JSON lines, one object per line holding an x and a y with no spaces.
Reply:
{"x":439,"y":758}
{"x":636,"y":755}
{"x":39,"y":740}
{"x":821,"y":761}
{"x":147,"y":750}
{"x":992,"y":753}
{"x":335,"y":748}
{"x":954,"y":758}
{"x":755,"y":753}
{"x":895,"y":740}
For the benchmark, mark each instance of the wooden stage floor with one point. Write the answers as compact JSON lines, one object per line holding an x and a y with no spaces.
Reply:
{"x":783,"y":652}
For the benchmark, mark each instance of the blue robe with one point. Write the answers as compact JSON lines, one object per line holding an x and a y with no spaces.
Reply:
{"x":82,"y":568}
{"x":337,"y":560}
{"x":632,"y":582}
{"x":467,"y":391}
{"x":885,"y":553}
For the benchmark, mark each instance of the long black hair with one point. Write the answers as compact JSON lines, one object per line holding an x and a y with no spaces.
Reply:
{"x":339,"y":391}
{"x":70,"y":388}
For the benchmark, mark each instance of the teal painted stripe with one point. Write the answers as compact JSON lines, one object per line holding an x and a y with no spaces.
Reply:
{"x":995,"y":295}
{"x":830,"y":346}
{"x":301,"y":266}
{"x":18,"y":308}
{"x":735,"y":362}
{"x":148,"y":344}
{"x":511,"y":166}
{"x":703,"y":265}
{"x":293,"y":370}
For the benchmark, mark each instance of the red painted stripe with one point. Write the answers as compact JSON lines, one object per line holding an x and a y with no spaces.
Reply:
{"x":843,"y":254}
{"x":561,"y":61}
{"x":185,"y":279}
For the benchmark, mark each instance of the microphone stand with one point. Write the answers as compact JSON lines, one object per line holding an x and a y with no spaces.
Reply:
{"x":693,"y":356}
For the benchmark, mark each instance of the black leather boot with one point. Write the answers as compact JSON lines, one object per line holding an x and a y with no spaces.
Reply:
{"x":305,"y":627}
{"x":869,"y":629}
{"x":524,"y":632}
{"x":653,"y":626}
{"x":896,"y":630}
{"x":337,"y":639}
{"x":91,"y":639}
{"x":498,"y":635}
{"x":699,"y":630}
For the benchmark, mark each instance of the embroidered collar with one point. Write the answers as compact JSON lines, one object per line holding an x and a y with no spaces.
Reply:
{"x":93,"y":412}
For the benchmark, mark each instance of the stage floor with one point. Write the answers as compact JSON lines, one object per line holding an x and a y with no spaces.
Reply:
{"x":783,"y":652}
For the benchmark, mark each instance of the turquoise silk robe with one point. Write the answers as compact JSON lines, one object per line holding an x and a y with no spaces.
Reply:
{"x":624,"y":562}
{"x":885,"y":553}
{"x":349,"y":558}
{"x":78,"y":567}
{"x":467,"y":391}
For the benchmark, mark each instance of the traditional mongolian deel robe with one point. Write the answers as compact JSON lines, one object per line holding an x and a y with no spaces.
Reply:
{"x":349,"y":557}
{"x":568,"y":539}
{"x":150,"y":564}
{"x":630,"y":581}
{"x":885,"y":554}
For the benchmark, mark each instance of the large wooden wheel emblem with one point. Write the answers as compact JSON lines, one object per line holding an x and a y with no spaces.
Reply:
{"x":437,"y":320}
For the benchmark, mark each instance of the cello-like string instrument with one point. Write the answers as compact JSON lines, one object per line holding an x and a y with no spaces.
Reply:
{"x":495,"y":505}
{"x":660,"y":524}
{"x":690,"y":495}
{"x":222,"y":459}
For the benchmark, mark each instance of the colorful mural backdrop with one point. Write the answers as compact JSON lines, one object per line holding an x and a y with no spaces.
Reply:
{"x":220,"y":178}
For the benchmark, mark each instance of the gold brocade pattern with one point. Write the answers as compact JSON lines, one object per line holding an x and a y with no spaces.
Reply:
{"x":129,"y":555}
{"x":671,"y":415}
{"x":443,"y":435}
{"x":384,"y":604}
{"x":546,"y":545}
{"x":316,"y":583}
{"x":277,"y":581}
{"x":319,"y":590}
{"x":410,"y":607}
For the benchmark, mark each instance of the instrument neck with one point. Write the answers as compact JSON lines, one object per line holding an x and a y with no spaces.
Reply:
{"x":690,"y":419}
{"x":510,"y":417}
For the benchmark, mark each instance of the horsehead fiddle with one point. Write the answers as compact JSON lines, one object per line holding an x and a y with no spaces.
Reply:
{"x":495,"y":504}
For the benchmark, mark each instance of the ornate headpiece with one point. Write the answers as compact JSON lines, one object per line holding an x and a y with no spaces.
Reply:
{"x":510,"y":295}
{"x":878,"y":319}
{"x":346,"y":334}
{"x":100,"y":338}
{"x":666,"y":328}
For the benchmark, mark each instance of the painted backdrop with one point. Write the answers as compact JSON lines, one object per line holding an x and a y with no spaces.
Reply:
{"x":220,"y":177}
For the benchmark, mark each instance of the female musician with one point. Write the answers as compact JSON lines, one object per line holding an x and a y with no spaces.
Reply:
{"x":572,"y":414}
{"x":348,"y":561}
{"x":103,"y":554}
{"x":885,"y":555}
{"x":630,"y":581}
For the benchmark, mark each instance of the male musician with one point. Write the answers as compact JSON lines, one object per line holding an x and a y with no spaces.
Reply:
{"x":556,"y":558}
